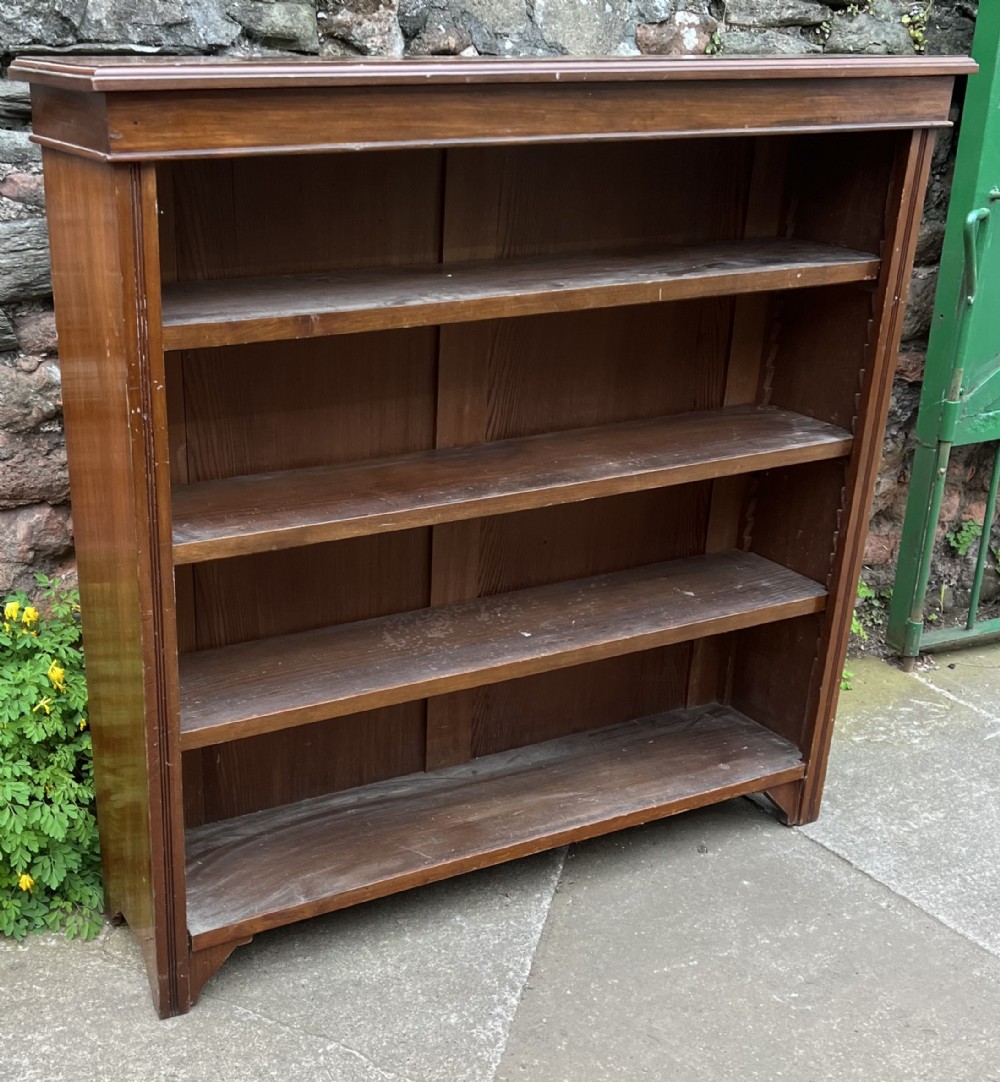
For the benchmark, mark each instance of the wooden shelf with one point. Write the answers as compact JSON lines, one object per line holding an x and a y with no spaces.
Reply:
{"x":269,"y":684}
{"x":219,"y":313}
{"x":297,"y":507}
{"x":364,"y":843}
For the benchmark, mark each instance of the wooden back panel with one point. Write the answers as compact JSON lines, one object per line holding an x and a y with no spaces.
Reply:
{"x":287,"y":404}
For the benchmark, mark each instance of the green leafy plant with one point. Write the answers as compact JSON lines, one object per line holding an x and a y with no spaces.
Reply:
{"x":872,"y":603}
{"x":962,"y":539}
{"x":847,"y":680}
{"x":869,"y":609}
{"x":915,"y":20}
{"x":714,"y":46}
{"x":50,"y":875}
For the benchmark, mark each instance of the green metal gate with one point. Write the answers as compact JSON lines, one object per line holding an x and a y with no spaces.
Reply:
{"x":960,"y":401}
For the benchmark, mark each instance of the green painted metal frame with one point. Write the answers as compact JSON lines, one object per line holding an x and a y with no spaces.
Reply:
{"x":960,"y":401}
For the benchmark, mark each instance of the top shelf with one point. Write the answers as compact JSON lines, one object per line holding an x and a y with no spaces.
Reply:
{"x":235,"y":311}
{"x":138,"y":73}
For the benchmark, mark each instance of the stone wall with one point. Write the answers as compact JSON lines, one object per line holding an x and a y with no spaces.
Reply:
{"x":35,"y":524}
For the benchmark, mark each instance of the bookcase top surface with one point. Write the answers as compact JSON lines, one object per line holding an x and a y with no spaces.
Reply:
{"x":156,"y":108}
{"x":166,"y":73}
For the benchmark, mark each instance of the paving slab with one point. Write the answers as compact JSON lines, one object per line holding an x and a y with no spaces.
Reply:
{"x":971,"y":675}
{"x":913,"y":791}
{"x":722,"y":947}
{"x":423,"y":984}
{"x":70,"y":1013}
{"x":413,"y":988}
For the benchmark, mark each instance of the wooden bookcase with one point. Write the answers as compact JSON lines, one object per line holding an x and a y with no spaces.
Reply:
{"x":467,"y":458}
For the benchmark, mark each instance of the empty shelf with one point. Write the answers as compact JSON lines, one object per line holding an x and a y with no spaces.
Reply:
{"x":363,"y":843}
{"x":257,"y":513}
{"x":231,"y":311}
{"x":269,"y":684}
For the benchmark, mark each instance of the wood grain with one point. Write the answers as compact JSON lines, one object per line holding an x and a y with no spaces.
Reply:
{"x":549,"y":705}
{"x":752,"y":326}
{"x":221,"y":313}
{"x":366,"y":210}
{"x":257,"y":773}
{"x":223,"y":123}
{"x":125,"y":73}
{"x":296,"y":507}
{"x":104,"y":264}
{"x":392,"y":835}
{"x":463,"y":392}
{"x":286,"y":406}
{"x":269,"y":684}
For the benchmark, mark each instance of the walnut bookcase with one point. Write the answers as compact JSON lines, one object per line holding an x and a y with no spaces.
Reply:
{"x":467,"y":458}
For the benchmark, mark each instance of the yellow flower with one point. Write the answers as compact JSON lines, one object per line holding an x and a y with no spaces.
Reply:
{"x":6,"y":628}
{"x":57,"y":675}
{"x":11,"y":609}
{"x":25,"y":882}
{"x":83,"y":724}
{"x":29,"y":616}
{"x":45,"y":704}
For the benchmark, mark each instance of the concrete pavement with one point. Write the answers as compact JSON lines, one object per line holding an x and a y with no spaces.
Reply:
{"x":713,"y":947}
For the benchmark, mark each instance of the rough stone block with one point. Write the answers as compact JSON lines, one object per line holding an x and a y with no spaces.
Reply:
{"x":15,"y":103}
{"x":767,"y":43}
{"x":776,"y":13}
{"x":950,"y":32}
{"x":8,"y":339}
{"x":920,"y":307}
{"x":32,"y":539}
{"x":930,"y":241}
{"x":33,"y":467}
{"x":173,"y":24}
{"x":413,"y":15}
{"x":36,"y":332}
{"x":580,"y":28}
{"x":24,"y":260}
{"x":370,"y":27}
{"x":26,"y":188}
{"x":504,"y":18}
{"x":32,"y":449}
{"x":910,"y":366}
{"x":682,"y":34}
{"x":869,"y":33}
{"x":46,"y":22}
{"x":881,"y":547}
{"x":279,"y":25}
{"x":15,"y":149}
{"x":656,"y":11}
{"x":440,"y":39}
{"x":28,"y":399}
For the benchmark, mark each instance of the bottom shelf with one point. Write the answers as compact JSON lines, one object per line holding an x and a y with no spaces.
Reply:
{"x":273,"y":867}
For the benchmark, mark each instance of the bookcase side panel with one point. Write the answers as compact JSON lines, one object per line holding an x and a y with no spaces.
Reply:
{"x":106,"y":290}
{"x":846,"y":380}
{"x":903,"y":209}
